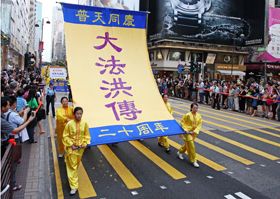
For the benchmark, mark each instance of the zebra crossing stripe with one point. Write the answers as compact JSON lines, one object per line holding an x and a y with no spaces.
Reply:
{"x":242,"y":195}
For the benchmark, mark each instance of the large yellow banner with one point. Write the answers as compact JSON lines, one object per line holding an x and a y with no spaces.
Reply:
{"x":111,"y":77}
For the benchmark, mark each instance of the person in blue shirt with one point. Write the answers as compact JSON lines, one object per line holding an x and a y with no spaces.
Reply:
{"x":21,"y":102}
{"x":50,"y":98}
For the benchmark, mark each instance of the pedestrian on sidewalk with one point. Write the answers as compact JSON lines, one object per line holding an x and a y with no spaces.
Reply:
{"x":76,"y":137}
{"x":216,"y":96}
{"x":50,"y":98}
{"x":191,"y":123}
{"x":63,"y":115}
{"x":163,"y":140}
{"x":33,"y":105}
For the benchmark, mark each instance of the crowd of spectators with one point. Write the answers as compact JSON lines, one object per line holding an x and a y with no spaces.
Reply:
{"x":250,"y":97}
{"x":21,"y":96}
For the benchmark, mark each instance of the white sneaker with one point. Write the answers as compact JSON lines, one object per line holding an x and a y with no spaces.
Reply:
{"x":180,"y":155}
{"x":195,"y":164}
{"x":73,"y":192}
{"x":60,"y":155}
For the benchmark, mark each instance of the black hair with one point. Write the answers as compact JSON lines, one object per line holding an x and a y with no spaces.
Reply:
{"x":31,"y":94}
{"x":12,"y":100}
{"x":20,"y":92}
{"x":194,"y":104}
{"x":163,"y":94}
{"x":63,"y":99}
{"x":78,"y":109}
{"x":4,"y":101}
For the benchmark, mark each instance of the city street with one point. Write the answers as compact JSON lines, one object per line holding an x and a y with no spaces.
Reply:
{"x":238,"y":156}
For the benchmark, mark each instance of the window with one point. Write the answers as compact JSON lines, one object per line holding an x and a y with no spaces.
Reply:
{"x":159,"y":55}
{"x":196,"y":57}
{"x":277,"y":3}
{"x":175,"y":55}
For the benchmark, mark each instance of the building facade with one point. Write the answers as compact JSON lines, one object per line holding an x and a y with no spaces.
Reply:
{"x":38,"y":31}
{"x":19,"y":24}
{"x":217,"y":40}
{"x":58,"y":39}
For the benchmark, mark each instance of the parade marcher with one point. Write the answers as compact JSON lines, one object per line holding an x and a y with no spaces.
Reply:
{"x":76,"y":137}
{"x":63,"y":115}
{"x":163,"y":140}
{"x":191,"y":123}
{"x":50,"y":98}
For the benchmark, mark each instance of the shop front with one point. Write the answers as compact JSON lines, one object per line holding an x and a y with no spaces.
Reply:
{"x":259,"y":70}
{"x":230,"y":72}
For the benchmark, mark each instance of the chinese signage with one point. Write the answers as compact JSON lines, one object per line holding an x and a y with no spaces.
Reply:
{"x":61,"y":86}
{"x":111,"y":76}
{"x":58,"y":73}
{"x":230,"y":66}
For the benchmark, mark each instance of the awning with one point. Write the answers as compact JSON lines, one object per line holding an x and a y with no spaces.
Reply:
{"x":228,"y":72}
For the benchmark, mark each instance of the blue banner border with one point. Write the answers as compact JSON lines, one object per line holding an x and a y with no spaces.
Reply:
{"x":173,"y":129}
{"x":70,"y":12}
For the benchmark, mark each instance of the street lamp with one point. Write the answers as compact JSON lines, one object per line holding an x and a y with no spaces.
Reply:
{"x":40,"y":50}
{"x":241,"y":37}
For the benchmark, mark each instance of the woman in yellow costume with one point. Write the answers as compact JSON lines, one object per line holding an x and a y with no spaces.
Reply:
{"x":63,"y":115}
{"x":163,"y":140}
{"x":191,"y":123}
{"x":76,"y":137}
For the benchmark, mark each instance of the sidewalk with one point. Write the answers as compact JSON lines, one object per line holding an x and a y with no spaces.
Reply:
{"x":33,"y":173}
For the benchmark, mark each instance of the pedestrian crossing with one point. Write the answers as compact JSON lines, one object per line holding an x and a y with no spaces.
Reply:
{"x":132,"y":181}
{"x":239,"y":194}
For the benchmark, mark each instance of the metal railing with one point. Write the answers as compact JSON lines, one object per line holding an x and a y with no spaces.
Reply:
{"x":6,"y":173}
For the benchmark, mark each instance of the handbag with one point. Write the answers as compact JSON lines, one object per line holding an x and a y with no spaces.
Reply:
{"x":41,"y":114}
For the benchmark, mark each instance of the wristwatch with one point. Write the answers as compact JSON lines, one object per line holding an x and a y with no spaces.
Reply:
{"x":189,"y":12}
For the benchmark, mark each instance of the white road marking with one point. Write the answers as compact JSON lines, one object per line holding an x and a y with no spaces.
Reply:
{"x":230,"y":172}
{"x":229,"y":196}
{"x":262,"y":165}
{"x":134,"y":193}
{"x":163,"y":187}
{"x":187,"y":182}
{"x":210,"y":177}
{"x":248,"y":168}
{"x":242,"y":195}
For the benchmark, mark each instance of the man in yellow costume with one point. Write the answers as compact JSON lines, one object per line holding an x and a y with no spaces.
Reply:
{"x":63,"y":115}
{"x":163,"y":140}
{"x":191,"y":123}
{"x":76,"y":137}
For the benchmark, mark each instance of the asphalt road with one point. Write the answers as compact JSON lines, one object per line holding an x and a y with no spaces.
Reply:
{"x":238,"y":157}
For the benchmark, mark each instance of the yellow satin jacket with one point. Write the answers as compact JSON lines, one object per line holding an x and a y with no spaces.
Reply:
{"x":76,"y":133}
{"x":191,"y":122}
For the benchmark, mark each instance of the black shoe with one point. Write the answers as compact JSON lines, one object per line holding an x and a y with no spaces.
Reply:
{"x":167,"y":150}
{"x":159,"y":144}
